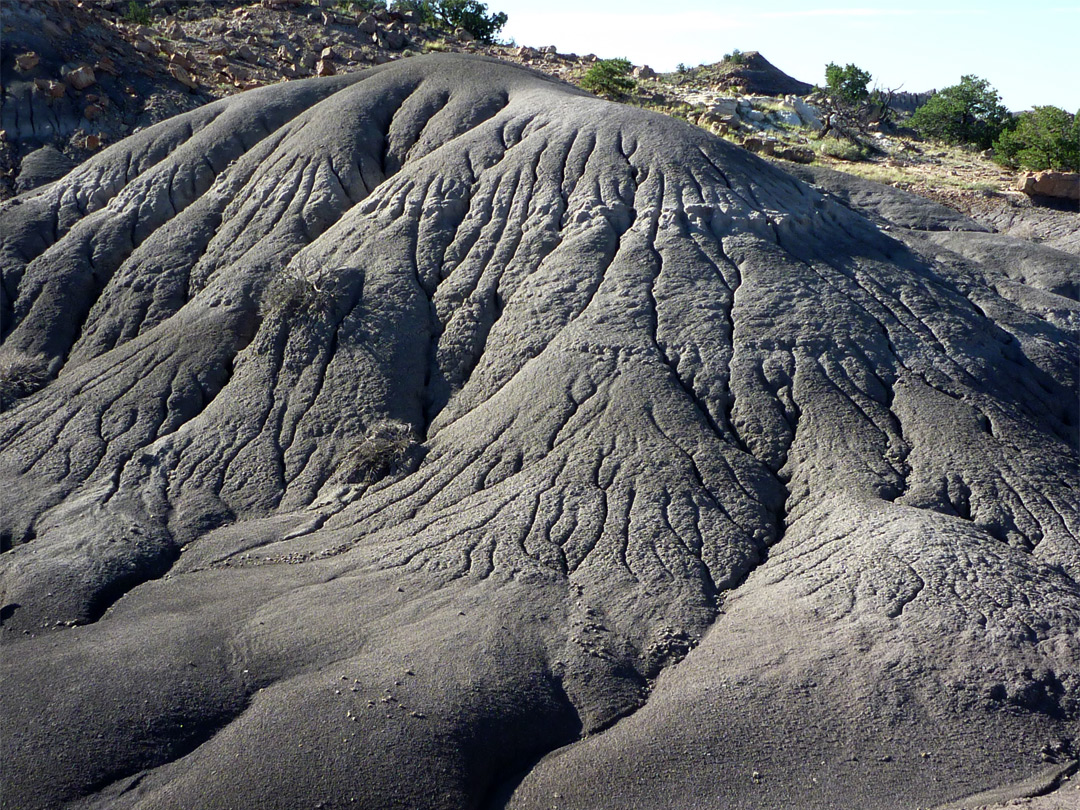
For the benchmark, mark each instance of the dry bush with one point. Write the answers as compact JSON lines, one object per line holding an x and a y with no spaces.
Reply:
{"x":387,"y":445}
{"x":292,"y":295}
{"x":21,"y":374}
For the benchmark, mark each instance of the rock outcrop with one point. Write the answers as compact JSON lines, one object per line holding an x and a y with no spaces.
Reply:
{"x":756,"y":75}
{"x":441,"y":436}
{"x":1057,"y":185}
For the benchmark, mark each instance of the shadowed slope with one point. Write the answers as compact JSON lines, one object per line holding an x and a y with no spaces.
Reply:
{"x":660,"y":396}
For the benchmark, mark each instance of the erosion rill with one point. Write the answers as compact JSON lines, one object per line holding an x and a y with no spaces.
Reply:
{"x":440,"y":436}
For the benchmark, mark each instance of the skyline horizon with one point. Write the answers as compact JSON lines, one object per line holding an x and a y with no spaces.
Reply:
{"x":928,"y":47}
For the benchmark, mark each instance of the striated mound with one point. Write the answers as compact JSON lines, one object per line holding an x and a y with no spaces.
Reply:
{"x":440,"y":436}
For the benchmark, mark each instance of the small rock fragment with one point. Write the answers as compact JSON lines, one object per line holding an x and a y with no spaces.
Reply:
{"x":182,"y":76}
{"x":26,"y":62}
{"x":81,"y":77}
{"x":146,"y":46}
{"x":51,"y":88}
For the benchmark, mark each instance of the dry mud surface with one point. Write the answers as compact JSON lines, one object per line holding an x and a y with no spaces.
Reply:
{"x":440,"y":436}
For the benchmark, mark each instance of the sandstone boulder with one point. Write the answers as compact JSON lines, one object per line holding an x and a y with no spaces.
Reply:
{"x":1058,"y":185}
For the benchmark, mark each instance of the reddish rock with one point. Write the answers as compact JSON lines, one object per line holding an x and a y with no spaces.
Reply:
{"x":26,"y":62}
{"x":759,"y":145}
{"x":324,"y":67}
{"x":81,"y":77}
{"x":181,"y":75}
{"x":86,"y":141}
{"x":146,"y":46}
{"x":185,"y":61}
{"x":236,"y":73}
{"x":1059,"y":185}
{"x":796,"y":154}
{"x":50,"y":88}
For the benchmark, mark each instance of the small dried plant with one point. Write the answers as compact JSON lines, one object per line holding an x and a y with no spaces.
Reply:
{"x":21,"y":374}
{"x":387,"y":445}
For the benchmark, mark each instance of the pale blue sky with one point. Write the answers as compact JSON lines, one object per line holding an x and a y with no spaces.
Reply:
{"x":1027,"y":49}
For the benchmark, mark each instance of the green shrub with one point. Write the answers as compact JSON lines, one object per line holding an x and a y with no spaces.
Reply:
{"x":1045,"y":138}
{"x":362,"y":6}
{"x":609,"y":77}
{"x":848,"y":83}
{"x":138,"y":13}
{"x":736,"y":57}
{"x":848,"y":109}
{"x":841,"y":149}
{"x":471,"y":15}
{"x":420,"y":7}
{"x":969,"y":112}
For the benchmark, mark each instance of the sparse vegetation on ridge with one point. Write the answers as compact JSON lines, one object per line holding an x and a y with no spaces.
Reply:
{"x":471,"y":15}
{"x":295,"y":41}
{"x":609,"y":77}
{"x":361,"y":5}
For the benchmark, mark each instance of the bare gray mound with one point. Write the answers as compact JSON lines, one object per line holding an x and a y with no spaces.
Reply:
{"x":440,"y":436}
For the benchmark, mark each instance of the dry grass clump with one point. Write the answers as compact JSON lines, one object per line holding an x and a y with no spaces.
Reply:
{"x":387,"y":445}
{"x":294,"y":295}
{"x":21,"y":374}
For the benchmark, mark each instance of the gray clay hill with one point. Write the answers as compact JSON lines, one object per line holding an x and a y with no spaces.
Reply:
{"x":441,"y":436}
